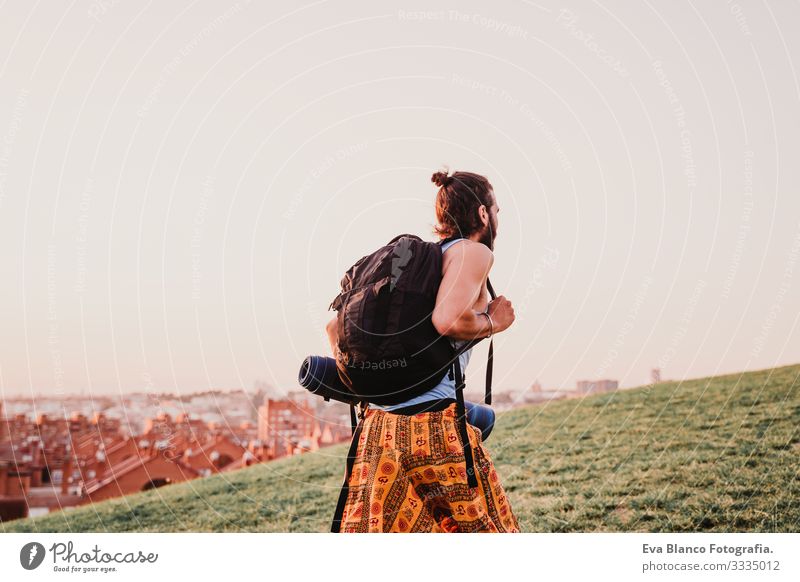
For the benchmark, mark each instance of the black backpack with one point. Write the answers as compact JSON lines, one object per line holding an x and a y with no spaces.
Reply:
{"x":389,"y":349}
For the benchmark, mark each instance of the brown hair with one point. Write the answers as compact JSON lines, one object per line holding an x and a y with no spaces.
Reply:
{"x":457,"y":202}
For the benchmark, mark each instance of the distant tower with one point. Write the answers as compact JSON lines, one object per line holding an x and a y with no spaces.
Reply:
{"x":655,"y":375}
{"x":536,"y":387}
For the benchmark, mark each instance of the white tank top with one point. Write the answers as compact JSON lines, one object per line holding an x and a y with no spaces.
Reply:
{"x":446,"y":388}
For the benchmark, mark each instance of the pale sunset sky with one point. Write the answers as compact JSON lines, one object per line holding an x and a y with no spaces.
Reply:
{"x":183,"y":184}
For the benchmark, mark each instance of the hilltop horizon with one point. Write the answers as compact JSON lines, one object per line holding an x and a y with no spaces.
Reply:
{"x":475,"y":387}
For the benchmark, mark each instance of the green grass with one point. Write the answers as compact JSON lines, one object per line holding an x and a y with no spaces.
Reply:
{"x":711,"y":454}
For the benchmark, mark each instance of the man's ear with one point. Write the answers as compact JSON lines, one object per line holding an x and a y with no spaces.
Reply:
{"x":483,"y":213}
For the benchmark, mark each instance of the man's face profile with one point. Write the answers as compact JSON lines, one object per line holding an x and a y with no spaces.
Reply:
{"x":489,"y":232}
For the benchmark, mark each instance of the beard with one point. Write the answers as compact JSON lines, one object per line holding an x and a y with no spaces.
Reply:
{"x":488,"y":234}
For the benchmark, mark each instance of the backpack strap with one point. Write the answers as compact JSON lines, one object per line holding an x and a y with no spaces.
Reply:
{"x":461,"y":420}
{"x":490,"y":359}
{"x":353,"y":421}
{"x":351,"y":457}
{"x":461,"y":414}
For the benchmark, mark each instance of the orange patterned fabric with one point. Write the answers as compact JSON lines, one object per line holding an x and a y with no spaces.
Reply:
{"x":409,"y":476}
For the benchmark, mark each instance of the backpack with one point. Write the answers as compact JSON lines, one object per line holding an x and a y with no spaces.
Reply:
{"x":389,"y":349}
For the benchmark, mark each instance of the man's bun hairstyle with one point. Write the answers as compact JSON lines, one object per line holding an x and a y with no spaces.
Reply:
{"x":457,"y":201}
{"x":441,"y":179}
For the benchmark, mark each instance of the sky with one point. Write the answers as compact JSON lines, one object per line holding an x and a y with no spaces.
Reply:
{"x":183,"y":185}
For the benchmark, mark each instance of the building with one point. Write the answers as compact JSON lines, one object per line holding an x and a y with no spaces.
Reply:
{"x":537,"y":395}
{"x":282,"y":424}
{"x":21,"y":497}
{"x":596,"y":386}
{"x":215,"y":455}
{"x":62,"y":459}
{"x":139,"y":473}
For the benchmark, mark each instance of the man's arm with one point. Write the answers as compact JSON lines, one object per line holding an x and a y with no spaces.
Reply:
{"x":461,"y":286}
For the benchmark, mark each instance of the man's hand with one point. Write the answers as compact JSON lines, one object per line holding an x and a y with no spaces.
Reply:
{"x":502,"y":313}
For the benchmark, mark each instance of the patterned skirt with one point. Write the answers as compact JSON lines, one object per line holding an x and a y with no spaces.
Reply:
{"x":409,"y":476}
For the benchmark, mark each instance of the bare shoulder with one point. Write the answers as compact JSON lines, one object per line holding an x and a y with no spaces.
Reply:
{"x":471,"y":253}
{"x":467,"y":260}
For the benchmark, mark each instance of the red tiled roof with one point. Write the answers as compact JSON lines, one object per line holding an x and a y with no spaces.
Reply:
{"x":125,"y":467}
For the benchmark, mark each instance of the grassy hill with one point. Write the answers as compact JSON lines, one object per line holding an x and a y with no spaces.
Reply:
{"x":711,"y":454}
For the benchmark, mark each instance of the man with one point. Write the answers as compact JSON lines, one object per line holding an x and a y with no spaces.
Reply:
{"x":413,"y":485}
{"x":463,"y":295}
